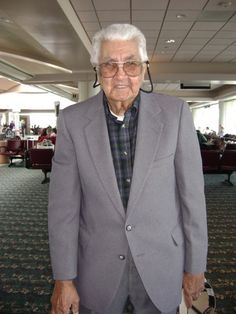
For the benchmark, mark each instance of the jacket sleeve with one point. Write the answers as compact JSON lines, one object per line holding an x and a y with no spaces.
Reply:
{"x":190,"y":184}
{"x":64,"y":206}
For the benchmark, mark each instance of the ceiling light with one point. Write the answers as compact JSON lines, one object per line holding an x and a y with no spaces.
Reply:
{"x":180,"y":16}
{"x":5,"y":20}
{"x":225,"y":4}
{"x":170,"y":41}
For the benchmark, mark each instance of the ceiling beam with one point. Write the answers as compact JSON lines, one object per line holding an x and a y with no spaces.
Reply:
{"x":222,"y":73}
{"x":61,"y":78}
{"x":217,"y":72}
{"x":75,"y":22}
{"x":13,"y":73}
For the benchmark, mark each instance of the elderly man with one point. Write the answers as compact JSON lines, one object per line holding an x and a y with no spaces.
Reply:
{"x":127,"y":218}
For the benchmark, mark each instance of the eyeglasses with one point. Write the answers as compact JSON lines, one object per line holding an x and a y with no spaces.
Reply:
{"x":131,"y":68}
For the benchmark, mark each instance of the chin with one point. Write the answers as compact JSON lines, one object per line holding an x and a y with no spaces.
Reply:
{"x":123,"y":99}
{"x":123,"y":94}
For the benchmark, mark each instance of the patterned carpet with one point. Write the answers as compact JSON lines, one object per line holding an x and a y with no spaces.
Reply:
{"x":221,"y":212}
{"x":25,"y":272}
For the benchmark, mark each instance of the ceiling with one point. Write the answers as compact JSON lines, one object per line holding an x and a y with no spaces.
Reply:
{"x":191,"y":43}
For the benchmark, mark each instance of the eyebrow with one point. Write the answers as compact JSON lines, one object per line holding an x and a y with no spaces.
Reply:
{"x":130,"y":57}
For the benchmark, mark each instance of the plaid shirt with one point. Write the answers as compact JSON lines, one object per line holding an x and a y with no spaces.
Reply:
{"x":122,"y":135}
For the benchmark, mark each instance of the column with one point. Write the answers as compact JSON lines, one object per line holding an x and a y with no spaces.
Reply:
{"x":15,"y":117}
{"x":91,"y":90}
{"x":86,"y":90}
{"x":222,"y":114}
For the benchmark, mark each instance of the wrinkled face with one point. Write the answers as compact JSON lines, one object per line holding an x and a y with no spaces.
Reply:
{"x":121,"y":87}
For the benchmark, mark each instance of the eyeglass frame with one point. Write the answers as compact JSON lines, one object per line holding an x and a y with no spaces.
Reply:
{"x":96,"y":82}
{"x":96,"y":68}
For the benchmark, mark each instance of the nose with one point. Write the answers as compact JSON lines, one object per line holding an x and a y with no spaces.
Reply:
{"x":120,"y":70}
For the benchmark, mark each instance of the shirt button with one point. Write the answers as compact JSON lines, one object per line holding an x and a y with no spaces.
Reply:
{"x":128,"y":227}
{"x":128,"y":180}
{"x":121,"y":257}
{"x":123,"y":125}
{"x":125,"y":153}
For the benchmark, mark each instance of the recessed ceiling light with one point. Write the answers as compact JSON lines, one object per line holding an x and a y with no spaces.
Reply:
{"x":225,"y":4}
{"x":180,"y":16}
{"x":170,"y":41}
{"x":5,"y":20}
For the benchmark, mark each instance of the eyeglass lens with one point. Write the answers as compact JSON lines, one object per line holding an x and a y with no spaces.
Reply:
{"x":131,"y":68}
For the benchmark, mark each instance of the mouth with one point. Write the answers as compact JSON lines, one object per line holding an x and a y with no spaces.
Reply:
{"x":121,"y":86}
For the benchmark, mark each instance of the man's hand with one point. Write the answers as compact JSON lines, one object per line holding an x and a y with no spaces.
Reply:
{"x":193,"y":285}
{"x":64,"y":295}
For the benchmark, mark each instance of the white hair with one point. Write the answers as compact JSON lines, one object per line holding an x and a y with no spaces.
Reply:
{"x":118,"y":32}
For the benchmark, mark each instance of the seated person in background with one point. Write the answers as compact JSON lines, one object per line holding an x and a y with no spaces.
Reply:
{"x":201,"y":138}
{"x":221,"y":131}
{"x":220,"y":143}
{"x":43,"y":135}
{"x":12,"y":125}
{"x":54,"y":132}
{"x":53,"y":135}
{"x":48,"y":134}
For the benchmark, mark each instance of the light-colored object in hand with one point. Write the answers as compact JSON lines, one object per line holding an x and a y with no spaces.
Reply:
{"x":205,"y":304}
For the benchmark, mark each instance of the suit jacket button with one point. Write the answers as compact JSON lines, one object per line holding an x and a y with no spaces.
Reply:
{"x":121,"y":257}
{"x":128,"y":227}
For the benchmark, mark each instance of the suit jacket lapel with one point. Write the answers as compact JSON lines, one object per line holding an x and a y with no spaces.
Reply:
{"x":148,"y":136}
{"x":99,"y":147}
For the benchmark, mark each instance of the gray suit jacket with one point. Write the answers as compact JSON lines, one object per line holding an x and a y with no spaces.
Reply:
{"x":166,"y":209}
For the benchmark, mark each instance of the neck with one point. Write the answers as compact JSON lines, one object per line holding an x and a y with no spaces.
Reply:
{"x":119,"y":108}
